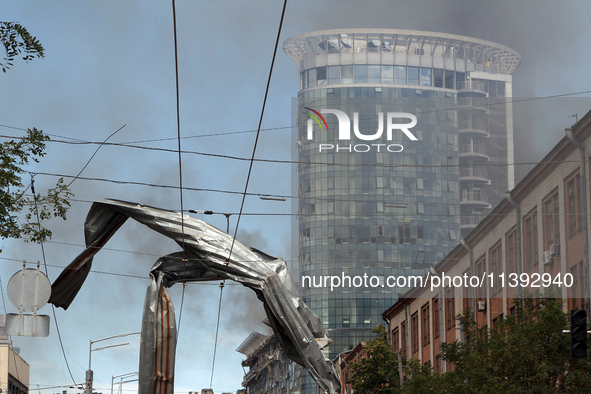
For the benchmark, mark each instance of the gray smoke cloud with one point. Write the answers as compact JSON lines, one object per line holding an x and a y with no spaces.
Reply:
{"x":545,"y":33}
{"x":112,"y":63}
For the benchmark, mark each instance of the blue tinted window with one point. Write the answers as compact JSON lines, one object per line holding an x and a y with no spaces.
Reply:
{"x":387,"y":74}
{"x":400,"y":75}
{"x":311,"y":77}
{"x":425,"y":76}
{"x":334,"y":74}
{"x":361,"y":73}
{"x":373,"y":74}
{"x":413,"y":75}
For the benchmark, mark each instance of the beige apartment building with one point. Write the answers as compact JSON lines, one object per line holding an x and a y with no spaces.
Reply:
{"x":14,"y":371}
{"x":537,"y":234}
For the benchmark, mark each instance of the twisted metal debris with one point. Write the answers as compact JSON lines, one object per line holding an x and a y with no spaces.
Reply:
{"x":206,"y":257}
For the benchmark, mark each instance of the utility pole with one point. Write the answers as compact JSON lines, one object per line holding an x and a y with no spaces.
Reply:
{"x":89,"y":373}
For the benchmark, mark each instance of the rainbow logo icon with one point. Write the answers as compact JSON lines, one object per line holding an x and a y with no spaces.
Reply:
{"x":316,"y":117}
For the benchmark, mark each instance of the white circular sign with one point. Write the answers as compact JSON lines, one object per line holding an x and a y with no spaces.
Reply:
{"x":29,"y":288}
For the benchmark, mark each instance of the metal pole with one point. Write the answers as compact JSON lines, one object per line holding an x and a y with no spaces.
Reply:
{"x":122,"y":376}
{"x":88,"y":382}
{"x":442,"y":329}
{"x":585,"y":235}
{"x":406,"y":333}
{"x":89,"y":371}
{"x":400,"y":369}
{"x":472,"y":273}
{"x":227,"y":215}
{"x":89,"y":354}
{"x":89,"y":374}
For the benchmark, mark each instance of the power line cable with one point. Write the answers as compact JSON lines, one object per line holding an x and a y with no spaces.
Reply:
{"x":47,"y":274}
{"x":509,"y":101}
{"x":282,"y":196}
{"x":32,"y":186}
{"x":217,"y":330}
{"x":346,"y":165}
{"x":385,"y":215}
{"x":247,"y":180}
{"x":91,"y":157}
{"x":2,"y":291}
{"x":210,"y":135}
{"x":110,"y":273}
{"x":406,"y":262}
{"x":178,"y":121}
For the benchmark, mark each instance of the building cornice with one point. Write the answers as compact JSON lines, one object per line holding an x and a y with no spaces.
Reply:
{"x":538,"y":175}
{"x":457,"y":47}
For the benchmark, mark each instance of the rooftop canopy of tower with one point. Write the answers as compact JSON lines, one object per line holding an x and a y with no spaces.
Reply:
{"x":408,"y":47}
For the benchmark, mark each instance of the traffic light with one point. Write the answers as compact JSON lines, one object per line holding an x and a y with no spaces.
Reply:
{"x":578,"y":334}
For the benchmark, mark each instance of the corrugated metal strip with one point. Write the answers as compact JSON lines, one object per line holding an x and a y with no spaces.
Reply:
{"x":296,"y":327}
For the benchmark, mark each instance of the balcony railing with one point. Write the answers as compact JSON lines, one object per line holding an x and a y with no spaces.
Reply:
{"x":472,"y":85}
{"x":475,"y":149}
{"x":474,"y":196}
{"x":471,"y":220}
{"x":473,"y":102}
{"x":473,"y":173}
{"x":473,"y":125}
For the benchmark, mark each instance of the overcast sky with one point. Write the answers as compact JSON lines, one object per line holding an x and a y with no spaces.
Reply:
{"x":111,"y":63}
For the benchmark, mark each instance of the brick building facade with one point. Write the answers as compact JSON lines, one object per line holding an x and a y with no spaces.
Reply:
{"x":537,"y":234}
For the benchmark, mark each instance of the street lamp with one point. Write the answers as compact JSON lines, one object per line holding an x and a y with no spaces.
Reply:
{"x":89,"y":374}
{"x":125,"y":375}
{"x":271,"y":198}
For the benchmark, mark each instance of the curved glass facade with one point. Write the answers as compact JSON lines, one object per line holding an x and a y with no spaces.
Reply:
{"x":380,"y":74}
{"x":367,"y":209}
{"x":374,"y":206}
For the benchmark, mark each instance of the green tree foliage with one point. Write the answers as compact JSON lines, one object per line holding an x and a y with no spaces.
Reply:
{"x":14,"y":155}
{"x":17,"y":41}
{"x":527,"y":353}
{"x":377,"y":371}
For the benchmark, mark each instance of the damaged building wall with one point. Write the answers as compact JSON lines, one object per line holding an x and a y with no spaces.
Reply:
{"x":270,"y":371}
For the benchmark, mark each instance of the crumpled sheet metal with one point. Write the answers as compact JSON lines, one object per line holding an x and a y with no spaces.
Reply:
{"x":158,"y":340}
{"x":207,"y":250}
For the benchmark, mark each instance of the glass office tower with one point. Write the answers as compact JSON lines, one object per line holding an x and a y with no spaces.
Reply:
{"x":369,"y":208}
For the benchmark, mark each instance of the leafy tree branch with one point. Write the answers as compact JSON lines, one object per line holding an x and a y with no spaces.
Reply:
{"x":523,"y":354}
{"x":14,"y":156}
{"x":17,"y":41}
